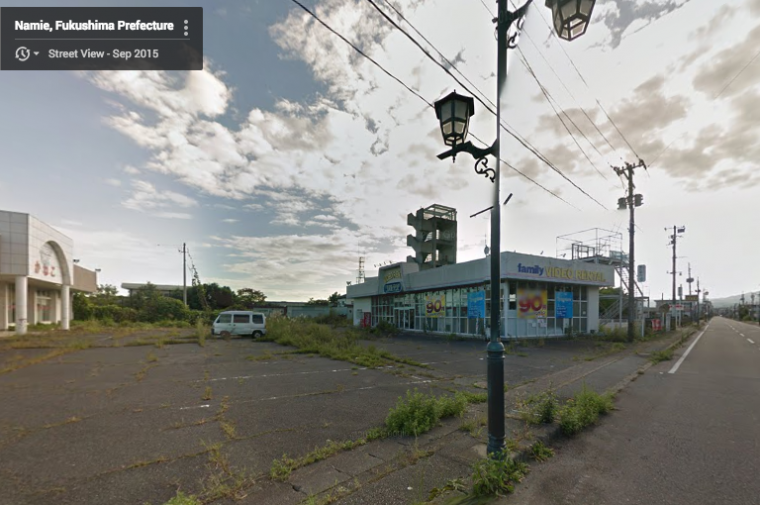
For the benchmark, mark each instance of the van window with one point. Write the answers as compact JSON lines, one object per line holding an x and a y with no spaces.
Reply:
{"x":242,"y":318}
{"x":258,"y":319}
{"x":224,"y":318}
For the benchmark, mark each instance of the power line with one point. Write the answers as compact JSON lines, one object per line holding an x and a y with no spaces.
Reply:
{"x":522,"y":141}
{"x":344,"y":39}
{"x":553,"y":35}
{"x":549,"y":99}
{"x":572,"y":96}
{"x":412,"y":91}
{"x":555,"y":195}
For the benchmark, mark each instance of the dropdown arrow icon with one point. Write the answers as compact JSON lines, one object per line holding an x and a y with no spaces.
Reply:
{"x":36,"y":53}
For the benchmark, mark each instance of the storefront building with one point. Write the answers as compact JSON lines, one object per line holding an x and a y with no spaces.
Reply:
{"x":37,"y":274}
{"x":540,"y":297}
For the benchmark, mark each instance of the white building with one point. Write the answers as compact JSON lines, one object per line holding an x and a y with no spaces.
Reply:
{"x":37,"y":273}
{"x":540,"y":296}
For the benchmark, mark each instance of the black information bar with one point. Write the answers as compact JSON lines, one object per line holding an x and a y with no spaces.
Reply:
{"x":101,"y":38}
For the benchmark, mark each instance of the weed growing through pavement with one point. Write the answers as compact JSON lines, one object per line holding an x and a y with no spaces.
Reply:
{"x":583,"y":410}
{"x":183,"y":499}
{"x":496,"y":475}
{"x":540,"y":452}
{"x":283,"y":467}
{"x":659,"y":356}
{"x":541,"y":408}
{"x":418,"y":413}
{"x":312,"y":338}
{"x":208,"y":394}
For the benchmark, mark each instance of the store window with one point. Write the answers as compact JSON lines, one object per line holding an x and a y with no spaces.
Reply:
{"x":44,"y":307}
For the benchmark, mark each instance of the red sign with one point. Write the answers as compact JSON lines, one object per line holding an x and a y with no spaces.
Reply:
{"x":367,"y":321}
{"x":656,"y":324}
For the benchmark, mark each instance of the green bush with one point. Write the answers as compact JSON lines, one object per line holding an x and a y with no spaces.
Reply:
{"x":419,"y":413}
{"x":497,"y":475}
{"x":546,"y":407}
{"x":333,"y":319}
{"x":583,"y":410}
{"x":163,"y":308}
{"x":114,"y":313}
{"x":385,"y":328}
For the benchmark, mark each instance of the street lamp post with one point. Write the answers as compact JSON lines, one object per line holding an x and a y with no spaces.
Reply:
{"x":571,"y":19}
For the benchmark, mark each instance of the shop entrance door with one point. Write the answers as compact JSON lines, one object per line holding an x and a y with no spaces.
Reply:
{"x":404,"y":318}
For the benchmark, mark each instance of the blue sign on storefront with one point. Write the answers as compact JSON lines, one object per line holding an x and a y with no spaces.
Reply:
{"x":393,"y":287}
{"x":563,"y":305}
{"x":476,"y":305}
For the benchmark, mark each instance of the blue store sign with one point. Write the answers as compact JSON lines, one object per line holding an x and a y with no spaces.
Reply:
{"x":393,"y":287}
{"x":563,"y":306}
{"x":476,"y":305}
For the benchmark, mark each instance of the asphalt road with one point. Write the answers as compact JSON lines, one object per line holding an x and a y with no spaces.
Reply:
{"x":686,"y":432}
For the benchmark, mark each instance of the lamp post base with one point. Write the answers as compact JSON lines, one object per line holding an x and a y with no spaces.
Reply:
{"x":495,"y":397}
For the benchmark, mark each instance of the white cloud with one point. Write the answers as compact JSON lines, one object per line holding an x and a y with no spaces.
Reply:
{"x":146,"y":197}
{"x":230,"y":220}
{"x":113,"y":182}
{"x":131,"y":170}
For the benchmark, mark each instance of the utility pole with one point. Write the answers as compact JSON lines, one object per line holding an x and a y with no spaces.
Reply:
{"x":699,"y":315}
{"x":184,"y":273}
{"x":632,"y":201}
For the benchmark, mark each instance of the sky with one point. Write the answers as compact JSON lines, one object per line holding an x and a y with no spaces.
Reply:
{"x":290,"y":155}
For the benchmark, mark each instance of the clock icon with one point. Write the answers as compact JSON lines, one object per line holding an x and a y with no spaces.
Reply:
{"x":22,"y":53}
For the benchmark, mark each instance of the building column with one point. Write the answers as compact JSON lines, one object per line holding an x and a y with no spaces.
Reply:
{"x":65,"y":307}
{"x":21,"y":304}
{"x":4,"y":303}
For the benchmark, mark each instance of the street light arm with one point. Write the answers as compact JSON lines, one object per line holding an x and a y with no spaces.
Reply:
{"x":480,"y":155}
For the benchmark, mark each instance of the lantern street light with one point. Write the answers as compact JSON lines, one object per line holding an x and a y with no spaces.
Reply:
{"x":571,"y":18}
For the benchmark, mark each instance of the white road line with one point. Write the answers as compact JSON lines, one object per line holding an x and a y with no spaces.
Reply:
{"x":741,"y":334}
{"x":678,"y":364}
{"x":750,"y":341}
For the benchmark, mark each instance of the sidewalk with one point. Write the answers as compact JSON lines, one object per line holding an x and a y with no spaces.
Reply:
{"x":403,"y":471}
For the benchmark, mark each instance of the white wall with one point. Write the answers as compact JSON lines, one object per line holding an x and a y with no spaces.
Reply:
{"x":14,"y":243}
{"x":361,"y":305}
{"x":593,"y":308}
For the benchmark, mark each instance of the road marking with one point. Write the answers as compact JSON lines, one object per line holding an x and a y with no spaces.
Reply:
{"x":750,"y":341}
{"x":195,"y":407}
{"x":741,"y":334}
{"x":678,"y":364}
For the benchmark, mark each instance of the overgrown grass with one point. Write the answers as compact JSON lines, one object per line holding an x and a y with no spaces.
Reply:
{"x":313,"y":338}
{"x":583,"y":410}
{"x":540,"y":452}
{"x":496,"y":475}
{"x":183,"y":499}
{"x":541,"y":408}
{"x":659,"y":356}
{"x":418,"y":413}
{"x":283,"y":467}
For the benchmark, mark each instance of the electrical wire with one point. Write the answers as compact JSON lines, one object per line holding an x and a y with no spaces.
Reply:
{"x":411,"y":90}
{"x":555,"y":195}
{"x":552,"y":102}
{"x":522,"y":141}
{"x":344,"y":39}
{"x":554,"y":35}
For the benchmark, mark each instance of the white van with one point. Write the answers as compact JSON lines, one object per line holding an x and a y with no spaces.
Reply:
{"x":239,"y":322}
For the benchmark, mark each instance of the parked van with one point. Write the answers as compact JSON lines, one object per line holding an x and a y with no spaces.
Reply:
{"x":239,"y":322}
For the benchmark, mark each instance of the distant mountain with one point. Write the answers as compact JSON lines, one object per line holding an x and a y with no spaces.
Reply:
{"x":730,"y":301}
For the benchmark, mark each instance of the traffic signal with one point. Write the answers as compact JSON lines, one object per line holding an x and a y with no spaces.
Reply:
{"x":622,"y":204}
{"x":638,"y":200}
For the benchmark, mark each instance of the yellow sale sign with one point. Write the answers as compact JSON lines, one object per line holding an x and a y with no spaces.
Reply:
{"x":531,"y":303}
{"x":435,"y":306}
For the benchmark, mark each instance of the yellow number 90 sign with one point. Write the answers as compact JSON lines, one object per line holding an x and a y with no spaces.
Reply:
{"x":435,"y":306}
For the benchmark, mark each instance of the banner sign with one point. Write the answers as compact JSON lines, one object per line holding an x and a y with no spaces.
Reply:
{"x":531,"y":303}
{"x":392,"y":280}
{"x":563,"y":305}
{"x":476,"y":305}
{"x":435,"y":306}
